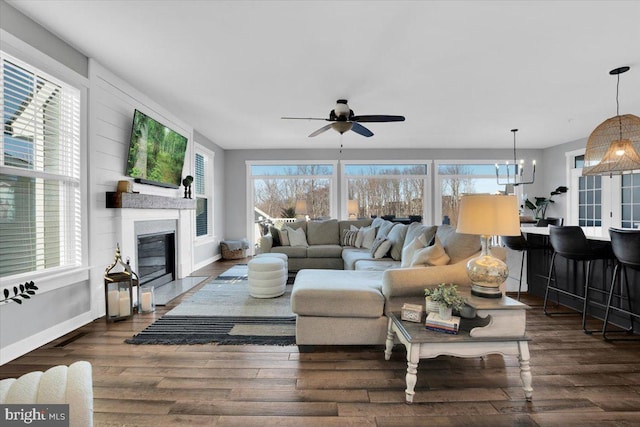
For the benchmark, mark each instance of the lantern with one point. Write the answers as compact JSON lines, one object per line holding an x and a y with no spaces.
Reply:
{"x":118,"y":289}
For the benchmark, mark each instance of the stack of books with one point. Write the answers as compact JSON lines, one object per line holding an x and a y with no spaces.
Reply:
{"x":435,"y":323}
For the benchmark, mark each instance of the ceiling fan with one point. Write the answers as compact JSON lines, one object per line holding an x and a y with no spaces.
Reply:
{"x":342,"y":120}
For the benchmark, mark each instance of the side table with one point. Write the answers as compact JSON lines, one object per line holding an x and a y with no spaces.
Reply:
{"x":503,"y":333}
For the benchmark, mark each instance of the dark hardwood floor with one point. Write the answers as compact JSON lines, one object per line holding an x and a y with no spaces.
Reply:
{"x":578,"y":379}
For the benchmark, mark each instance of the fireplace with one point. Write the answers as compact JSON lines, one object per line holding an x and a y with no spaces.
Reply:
{"x":156,"y":251}
{"x":156,"y":258}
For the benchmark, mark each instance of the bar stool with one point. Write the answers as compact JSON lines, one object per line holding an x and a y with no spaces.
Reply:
{"x":626,"y":248}
{"x":571,"y":243}
{"x":544,"y":222}
{"x":520,"y":244}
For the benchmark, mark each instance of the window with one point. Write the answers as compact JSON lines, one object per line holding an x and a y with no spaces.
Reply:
{"x":599,"y":202}
{"x":277,"y":188}
{"x":40,"y":196}
{"x":381,"y":189}
{"x":631,"y":200}
{"x":456,"y":178}
{"x":203,"y":185}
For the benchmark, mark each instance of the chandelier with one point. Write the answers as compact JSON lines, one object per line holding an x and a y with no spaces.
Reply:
{"x":517,"y":178}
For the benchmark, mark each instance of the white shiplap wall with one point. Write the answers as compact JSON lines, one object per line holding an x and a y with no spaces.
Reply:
{"x":112,"y":103}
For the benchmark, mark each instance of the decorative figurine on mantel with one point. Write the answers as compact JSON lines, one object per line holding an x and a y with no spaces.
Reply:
{"x":187,"y":186}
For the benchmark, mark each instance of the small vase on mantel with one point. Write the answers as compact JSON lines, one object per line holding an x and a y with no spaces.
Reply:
{"x":431,"y":306}
{"x":445,"y":312}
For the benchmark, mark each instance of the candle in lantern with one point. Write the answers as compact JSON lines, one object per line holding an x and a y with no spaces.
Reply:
{"x":113,"y":297}
{"x":125,"y":304}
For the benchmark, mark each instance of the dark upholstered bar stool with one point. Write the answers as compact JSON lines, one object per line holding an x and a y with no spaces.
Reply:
{"x":571,"y":243}
{"x":543,"y":222}
{"x":520,"y":244}
{"x":625,"y":244}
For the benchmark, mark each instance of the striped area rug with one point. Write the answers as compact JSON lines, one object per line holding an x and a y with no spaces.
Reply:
{"x":223,"y":312}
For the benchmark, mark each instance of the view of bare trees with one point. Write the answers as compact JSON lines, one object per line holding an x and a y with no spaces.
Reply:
{"x":303,"y":182}
{"x":458,"y":182}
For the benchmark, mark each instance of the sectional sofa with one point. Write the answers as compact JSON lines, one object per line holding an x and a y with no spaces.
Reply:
{"x":342,"y":292}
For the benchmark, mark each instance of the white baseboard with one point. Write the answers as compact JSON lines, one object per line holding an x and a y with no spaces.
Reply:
{"x":20,"y":348}
{"x":206,"y":262}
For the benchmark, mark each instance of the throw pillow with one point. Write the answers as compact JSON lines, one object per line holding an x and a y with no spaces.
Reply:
{"x":275,"y":234}
{"x":297,"y":237}
{"x":349,"y":237}
{"x":380,"y":247}
{"x":411,"y":248}
{"x":369,"y":235}
{"x":396,"y":236}
{"x":384,"y":229}
{"x":284,"y":237}
{"x":431,"y":255}
{"x":359,"y":237}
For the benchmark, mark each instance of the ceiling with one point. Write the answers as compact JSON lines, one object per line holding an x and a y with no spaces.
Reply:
{"x":463,"y":73}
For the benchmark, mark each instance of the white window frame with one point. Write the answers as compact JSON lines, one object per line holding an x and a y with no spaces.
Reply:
{"x":58,"y":277}
{"x":437,"y":199}
{"x":427,"y":178}
{"x":209,"y":157}
{"x":333,"y":196}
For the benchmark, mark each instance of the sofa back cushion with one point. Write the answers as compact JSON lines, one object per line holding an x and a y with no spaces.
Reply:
{"x":397,"y":237}
{"x":458,"y":246}
{"x":323,"y":232}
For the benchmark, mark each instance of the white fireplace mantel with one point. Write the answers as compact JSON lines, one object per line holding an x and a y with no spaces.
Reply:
{"x":126,"y":235}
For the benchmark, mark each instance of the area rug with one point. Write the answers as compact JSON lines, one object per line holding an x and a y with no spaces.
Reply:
{"x":222,"y":311}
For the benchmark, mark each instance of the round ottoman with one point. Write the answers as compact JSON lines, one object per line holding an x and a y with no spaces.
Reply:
{"x":283,"y":257}
{"x":267,"y":277}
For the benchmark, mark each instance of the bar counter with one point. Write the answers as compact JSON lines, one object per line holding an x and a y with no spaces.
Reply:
{"x":570,"y":277}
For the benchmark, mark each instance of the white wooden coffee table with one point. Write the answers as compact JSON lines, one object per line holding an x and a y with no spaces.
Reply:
{"x":499,"y":328}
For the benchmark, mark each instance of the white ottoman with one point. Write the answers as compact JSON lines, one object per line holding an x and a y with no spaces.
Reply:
{"x":283,"y":257}
{"x":267,"y":277}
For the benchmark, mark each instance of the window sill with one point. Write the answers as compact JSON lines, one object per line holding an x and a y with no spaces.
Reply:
{"x":48,"y":281}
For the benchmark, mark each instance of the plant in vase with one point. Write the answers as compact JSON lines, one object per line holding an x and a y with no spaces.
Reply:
{"x":447,"y":298}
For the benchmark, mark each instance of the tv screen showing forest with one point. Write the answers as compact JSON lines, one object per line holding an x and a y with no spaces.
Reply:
{"x":156,"y":153}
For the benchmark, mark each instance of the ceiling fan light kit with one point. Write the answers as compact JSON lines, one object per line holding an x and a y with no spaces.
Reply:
{"x":614,"y":146}
{"x":343,"y":120}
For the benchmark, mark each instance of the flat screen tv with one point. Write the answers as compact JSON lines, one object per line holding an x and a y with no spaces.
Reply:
{"x":156,"y":153}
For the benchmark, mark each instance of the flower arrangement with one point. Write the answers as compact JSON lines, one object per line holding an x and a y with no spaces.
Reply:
{"x":539,"y":207}
{"x":20,"y":292}
{"x":447,"y":295}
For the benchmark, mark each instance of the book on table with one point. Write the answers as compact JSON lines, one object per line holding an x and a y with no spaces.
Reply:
{"x":435,"y":323}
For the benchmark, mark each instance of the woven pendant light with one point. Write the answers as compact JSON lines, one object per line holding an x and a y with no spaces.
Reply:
{"x":614,"y":146}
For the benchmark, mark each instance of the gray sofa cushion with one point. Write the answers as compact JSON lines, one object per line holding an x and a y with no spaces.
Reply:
{"x":396,"y":236}
{"x":458,"y":246}
{"x":357,"y":223}
{"x":291,"y":251}
{"x":338,"y":293}
{"x":323,"y":232}
{"x":381,"y":264}
{"x":351,"y":255}
{"x":324,"y":251}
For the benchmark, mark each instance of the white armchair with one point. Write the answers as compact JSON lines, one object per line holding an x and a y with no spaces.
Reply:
{"x":71,"y":385}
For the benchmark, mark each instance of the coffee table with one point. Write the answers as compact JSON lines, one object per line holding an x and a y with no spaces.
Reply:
{"x":498,"y":328}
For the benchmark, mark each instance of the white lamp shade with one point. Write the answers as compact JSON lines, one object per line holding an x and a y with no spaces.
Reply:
{"x":489,"y":215}
{"x":301,"y":207}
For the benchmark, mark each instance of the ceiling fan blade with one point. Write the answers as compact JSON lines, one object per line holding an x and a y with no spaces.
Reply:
{"x":358,"y":128}
{"x":304,"y":118}
{"x":377,"y":118}
{"x":319,"y":131}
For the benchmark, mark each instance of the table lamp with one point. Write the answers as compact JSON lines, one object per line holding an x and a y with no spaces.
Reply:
{"x":488,"y":215}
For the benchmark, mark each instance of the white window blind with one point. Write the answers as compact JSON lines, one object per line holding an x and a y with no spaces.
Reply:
{"x":40,"y":200}
{"x":202,"y":191}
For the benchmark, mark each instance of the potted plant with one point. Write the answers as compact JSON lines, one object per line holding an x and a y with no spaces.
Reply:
{"x":539,"y":207}
{"x":446,"y":295}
